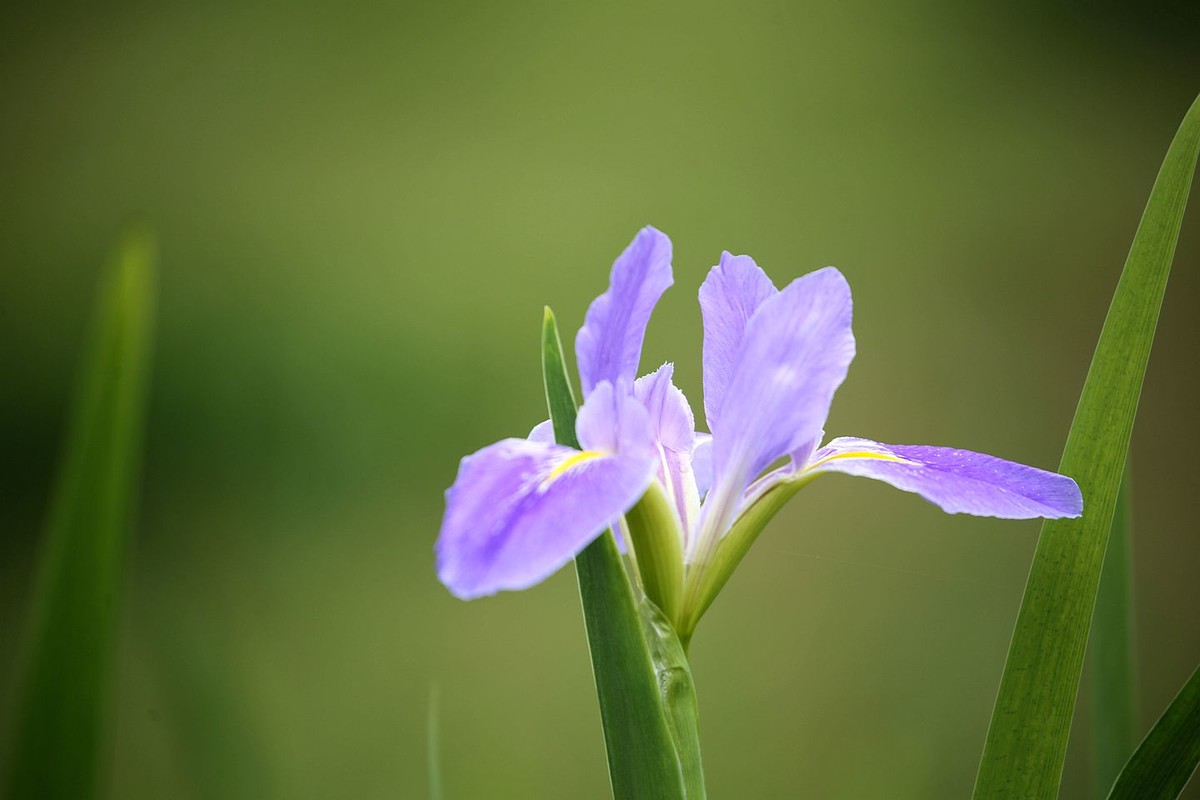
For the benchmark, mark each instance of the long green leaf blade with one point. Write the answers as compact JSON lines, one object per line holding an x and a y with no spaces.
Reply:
{"x":641,"y":754}
{"x":1027,"y":740}
{"x":57,"y":742}
{"x":1111,"y":651}
{"x":1168,"y":756}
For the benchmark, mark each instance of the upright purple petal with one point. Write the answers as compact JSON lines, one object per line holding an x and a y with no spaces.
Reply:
{"x":702,"y":462}
{"x":542,"y":432}
{"x":795,"y":352}
{"x":957,"y":481}
{"x":671,"y":429}
{"x":609,"y":345}
{"x":613,"y":421}
{"x":732,"y":292}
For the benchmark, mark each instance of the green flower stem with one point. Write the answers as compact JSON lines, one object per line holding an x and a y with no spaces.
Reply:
{"x":643,"y":759}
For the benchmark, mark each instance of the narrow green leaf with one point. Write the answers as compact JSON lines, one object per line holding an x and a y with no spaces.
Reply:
{"x":1027,"y":740}
{"x":57,"y":742}
{"x":1168,"y":756}
{"x":642,"y":762}
{"x":1111,"y":652}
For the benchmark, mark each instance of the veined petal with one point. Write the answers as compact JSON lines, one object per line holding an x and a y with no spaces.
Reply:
{"x":732,"y":292}
{"x":613,"y":420}
{"x":957,"y":481}
{"x":671,"y":429}
{"x":795,"y":352}
{"x":609,"y":345}
{"x":520,"y":510}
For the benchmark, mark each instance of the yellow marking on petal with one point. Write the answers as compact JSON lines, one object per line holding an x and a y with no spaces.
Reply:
{"x":857,"y":454}
{"x":575,"y":460}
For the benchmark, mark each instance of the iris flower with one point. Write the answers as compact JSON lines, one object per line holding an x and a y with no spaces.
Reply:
{"x":522,"y":508}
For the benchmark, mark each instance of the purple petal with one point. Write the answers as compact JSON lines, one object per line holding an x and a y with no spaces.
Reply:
{"x":520,"y":509}
{"x":732,"y":292}
{"x":957,"y":481}
{"x":702,"y":462}
{"x":609,"y":344}
{"x":795,"y":353}
{"x":542,"y":432}
{"x":671,"y":428}
{"x":612,"y":420}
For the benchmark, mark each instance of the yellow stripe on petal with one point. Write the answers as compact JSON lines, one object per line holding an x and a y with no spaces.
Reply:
{"x":568,"y":463}
{"x":857,"y":454}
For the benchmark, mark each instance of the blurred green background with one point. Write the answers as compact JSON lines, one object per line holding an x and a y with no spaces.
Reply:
{"x":361,"y":211}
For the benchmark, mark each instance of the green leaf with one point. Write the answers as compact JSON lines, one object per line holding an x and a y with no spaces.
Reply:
{"x":1168,"y":756}
{"x":1111,"y":653}
{"x":642,"y":762}
{"x":57,"y":742}
{"x":1027,"y":740}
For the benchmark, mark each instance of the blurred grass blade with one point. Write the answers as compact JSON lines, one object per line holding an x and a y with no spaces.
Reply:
{"x":433,"y":743}
{"x":57,"y":743}
{"x":1111,"y":651}
{"x":1027,"y":739}
{"x":641,"y":754}
{"x":1168,"y":756}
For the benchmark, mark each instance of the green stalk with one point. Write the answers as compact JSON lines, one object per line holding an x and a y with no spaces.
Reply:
{"x":643,"y":760}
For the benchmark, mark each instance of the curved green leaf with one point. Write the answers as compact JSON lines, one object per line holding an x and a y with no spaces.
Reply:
{"x":1027,"y":740}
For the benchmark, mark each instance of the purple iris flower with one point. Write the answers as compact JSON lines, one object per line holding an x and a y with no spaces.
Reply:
{"x":522,"y":508}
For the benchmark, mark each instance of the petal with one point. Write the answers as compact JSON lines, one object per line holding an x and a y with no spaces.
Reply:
{"x":957,"y":481}
{"x":732,"y":292}
{"x":520,"y":510}
{"x":702,"y":462}
{"x":795,"y":353}
{"x":609,"y":344}
{"x":671,"y":428}
{"x":613,"y":421}
{"x":542,"y":432}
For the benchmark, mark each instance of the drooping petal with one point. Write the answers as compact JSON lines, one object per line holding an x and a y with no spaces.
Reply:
{"x":795,"y":352}
{"x":609,"y":345}
{"x":957,"y":481}
{"x":732,"y":292}
{"x":671,"y":428}
{"x":520,"y":509}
